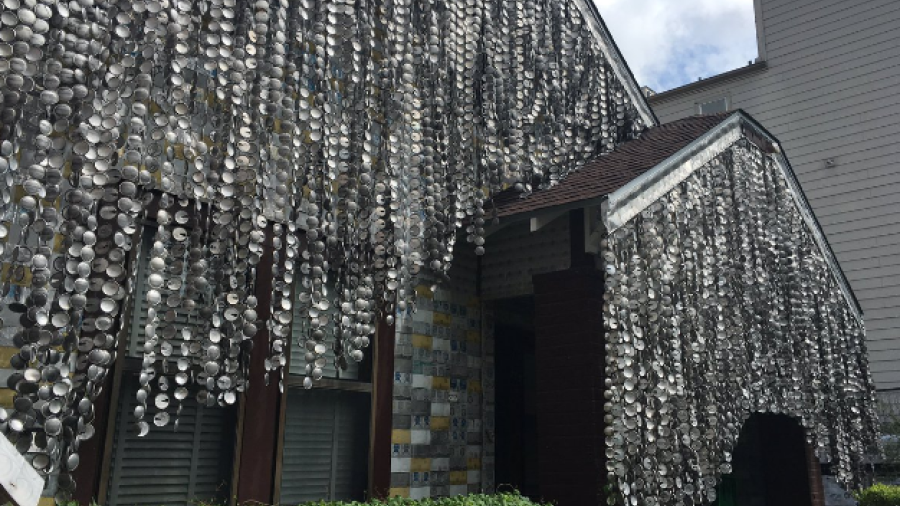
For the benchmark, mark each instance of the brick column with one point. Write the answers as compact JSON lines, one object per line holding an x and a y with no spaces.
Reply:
{"x":814,"y":472}
{"x":569,"y":350}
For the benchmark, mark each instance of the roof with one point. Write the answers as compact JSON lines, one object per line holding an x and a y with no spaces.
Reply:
{"x":607,"y":173}
{"x":640,"y":171}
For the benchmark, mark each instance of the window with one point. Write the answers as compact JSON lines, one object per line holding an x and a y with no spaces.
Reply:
{"x":714,"y":106}
{"x":325,"y":443}
{"x":168,"y":466}
{"x":325,"y":446}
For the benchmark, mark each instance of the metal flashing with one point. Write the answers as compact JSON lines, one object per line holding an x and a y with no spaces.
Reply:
{"x":626,"y":202}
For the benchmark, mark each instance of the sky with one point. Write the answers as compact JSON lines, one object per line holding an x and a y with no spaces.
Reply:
{"x":670,"y":43}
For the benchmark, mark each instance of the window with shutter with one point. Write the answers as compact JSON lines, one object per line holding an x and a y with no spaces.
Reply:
{"x":326,"y":441}
{"x":138,"y":332}
{"x":300,"y":327}
{"x":326,"y":429}
{"x":167,"y":466}
{"x":171,"y":467}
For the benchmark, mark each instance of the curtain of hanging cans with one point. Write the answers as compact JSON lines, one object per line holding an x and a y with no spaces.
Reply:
{"x":720,"y":304}
{"x":361,"y":135}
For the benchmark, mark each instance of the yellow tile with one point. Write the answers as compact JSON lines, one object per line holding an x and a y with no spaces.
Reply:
{"x":6,"y":397}
{"x":23,"y":280}
{"x":400,"y":436}
{"x":6,"y":353}
{"x":420,"y":465}
{"x":440,"y":383}
{"x":421,"y":341}
{"x":474,"y":385}
{"x":424,"y":291}
{"x":395,"y":492}
{"x":46,"y":501}
{"x":473,"y":464}
{"x":473,"y":336}
{"x":459,"y":477}
{"x":442,"y":319}
{"x":440,"y":423}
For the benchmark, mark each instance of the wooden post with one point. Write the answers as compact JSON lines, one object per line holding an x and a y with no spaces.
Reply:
{"x":382,"y":410}
{"x":570,"y":363}
{"x":259,"y":431}
{"x":88,"y":475}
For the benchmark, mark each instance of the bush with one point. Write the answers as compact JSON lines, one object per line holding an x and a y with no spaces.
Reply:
{"x":462,"y":500}
{"x":879,"y":495}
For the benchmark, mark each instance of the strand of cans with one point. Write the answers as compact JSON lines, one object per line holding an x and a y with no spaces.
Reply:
{"x":716,"y":308}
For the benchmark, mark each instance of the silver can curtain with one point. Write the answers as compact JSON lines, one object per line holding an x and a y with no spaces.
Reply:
{"x":721,"y":304}
{"x":361,"y":137}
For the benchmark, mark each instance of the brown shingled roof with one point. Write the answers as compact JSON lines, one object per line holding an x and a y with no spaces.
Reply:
{"x":606,"y":174}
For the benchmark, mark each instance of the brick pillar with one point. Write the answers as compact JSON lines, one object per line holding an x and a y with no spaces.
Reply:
{"x":569,"y":348}
{"x":814,"y":472}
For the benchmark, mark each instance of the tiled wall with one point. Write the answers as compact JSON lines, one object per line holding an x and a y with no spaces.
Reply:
{"x":442,"y":440}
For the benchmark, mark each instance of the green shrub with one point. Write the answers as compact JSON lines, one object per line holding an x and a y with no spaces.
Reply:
{"x":504,"y":499}
{"x":879,"y":495}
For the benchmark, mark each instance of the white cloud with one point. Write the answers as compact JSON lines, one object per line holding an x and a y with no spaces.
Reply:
{"x":669,"y":43}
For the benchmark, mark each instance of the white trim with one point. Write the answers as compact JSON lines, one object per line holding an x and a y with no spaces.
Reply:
{"x":542,"y":220}
{"x":591,"y":16}
{"x":760,"y":31}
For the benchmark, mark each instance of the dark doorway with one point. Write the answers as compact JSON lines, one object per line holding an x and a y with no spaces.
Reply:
{"x":516,"y":413}
{"x":769,"y":465}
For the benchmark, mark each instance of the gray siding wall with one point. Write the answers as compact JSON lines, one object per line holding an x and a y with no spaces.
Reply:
{"x":832,"y":92}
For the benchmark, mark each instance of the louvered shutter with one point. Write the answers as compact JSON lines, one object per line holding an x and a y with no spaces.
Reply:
{"x":326,"y":443}
{"x":169,"y":467}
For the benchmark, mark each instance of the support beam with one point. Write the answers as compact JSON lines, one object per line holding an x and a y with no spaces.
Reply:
{"x":580,"y":256}
{"x":92,"y":452}
{"x":569,"y":346}
{"x":256,"y":474}
{"x":382,"y":410}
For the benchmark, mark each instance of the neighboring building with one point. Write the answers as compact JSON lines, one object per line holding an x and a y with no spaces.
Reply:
{"x":825,"y":84}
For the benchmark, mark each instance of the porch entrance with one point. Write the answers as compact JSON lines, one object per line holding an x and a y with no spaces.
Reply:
{"x":770,"y":465}
{"x":516,"y":408}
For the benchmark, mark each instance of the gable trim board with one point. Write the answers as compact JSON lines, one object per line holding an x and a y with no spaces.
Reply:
{"x":620,"y":66}
{"x":629,"y":200}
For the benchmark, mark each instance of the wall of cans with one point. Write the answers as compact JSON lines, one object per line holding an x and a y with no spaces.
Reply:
{"x":372,"y":129}
{"x":720,"y":303}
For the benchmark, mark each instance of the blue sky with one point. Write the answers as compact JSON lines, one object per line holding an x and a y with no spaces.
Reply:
{"x":669,"y":43}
